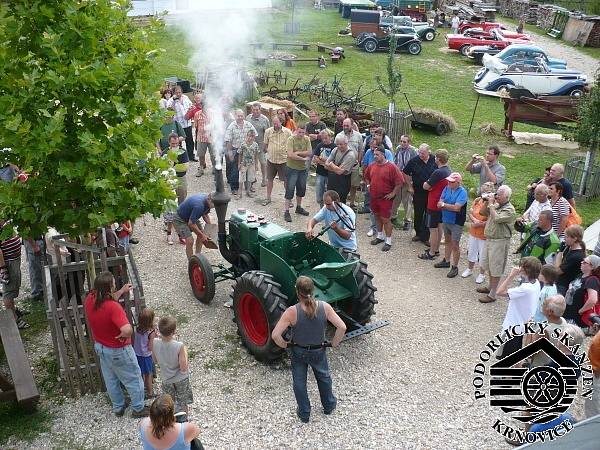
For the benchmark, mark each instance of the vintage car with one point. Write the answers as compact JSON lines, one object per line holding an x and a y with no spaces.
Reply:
{"x":363,"y":21}
{"x":462,"y":43}
{"x":483,"y":25}
{"x":371,"y":43}
{"x":478,"y":32}
{"x":537,"y":78}
{"x":424,"y":33}
{"x":515,"y":53}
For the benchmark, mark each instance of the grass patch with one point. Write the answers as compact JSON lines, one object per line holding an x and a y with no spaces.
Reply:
{"x":228,"y":362}
{"x":18,"y":425}
{"x":438,"y":79}
{"x":532,"y":29}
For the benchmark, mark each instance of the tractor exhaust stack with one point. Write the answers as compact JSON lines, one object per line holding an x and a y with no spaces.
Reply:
{"x":221,"y":200}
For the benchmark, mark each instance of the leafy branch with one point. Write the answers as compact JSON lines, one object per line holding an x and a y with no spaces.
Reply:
{"x":394,"y":77}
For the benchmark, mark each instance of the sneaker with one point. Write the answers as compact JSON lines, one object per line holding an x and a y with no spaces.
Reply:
{"x":487,"y":299}
{"x":376,"y":241}
{"x":169,"y":239}
{"x":300,"y":210}
{"x":480,"y":278}
{"x":287,"y":217}
{"x":371,"y":232}
{"x":483,"y":290}
{"x":386,"y":247}
{"x":200,"y":172}
{"x":228,"y":303}
{"x":443,"y":264}
{"x":453,"y":272}
{"x":467,"y":273}
{"x":330,"y":411}
{"x":120,"y":412}
{"x":144,"y":412}
{"x":302,"y":419}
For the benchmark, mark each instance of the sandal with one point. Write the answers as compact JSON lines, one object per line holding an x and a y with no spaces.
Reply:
{"x":427,"y":255}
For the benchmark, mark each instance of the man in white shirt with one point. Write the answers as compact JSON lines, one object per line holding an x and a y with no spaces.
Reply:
{"x":181,"y":104}
{"x":541,"y":203}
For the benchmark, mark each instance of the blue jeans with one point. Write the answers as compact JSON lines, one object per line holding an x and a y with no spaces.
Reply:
{"x":295,"y":180}
{"x":320,"y":188}
{"x":119,"y":365}
{"x":35,"y":263}
{"x":317,"y":359}
{"x":231,"y":170}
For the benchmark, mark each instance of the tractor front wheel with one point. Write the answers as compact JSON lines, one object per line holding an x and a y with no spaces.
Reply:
{"x":362,"y":307}
{"x":257,"y":305}
{"x":202,"y":278}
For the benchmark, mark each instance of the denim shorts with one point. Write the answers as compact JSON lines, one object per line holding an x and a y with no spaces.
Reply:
{"x":296,"y":181}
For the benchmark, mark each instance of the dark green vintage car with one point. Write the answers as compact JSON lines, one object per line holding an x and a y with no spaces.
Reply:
{"x":425,"y":33}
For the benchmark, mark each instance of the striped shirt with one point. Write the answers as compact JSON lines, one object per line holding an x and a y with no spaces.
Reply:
{"x":201,"y":121}
{"x":11,"y":248}
{"x":560,"y":209}
{"x":276,"y":143}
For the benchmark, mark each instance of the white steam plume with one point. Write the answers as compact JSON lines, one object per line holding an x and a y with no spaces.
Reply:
{"x":220,"y":42}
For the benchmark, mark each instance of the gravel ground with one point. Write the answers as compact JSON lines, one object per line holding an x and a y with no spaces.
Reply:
{"x":407,"y":385}
{"x":575,"y":58}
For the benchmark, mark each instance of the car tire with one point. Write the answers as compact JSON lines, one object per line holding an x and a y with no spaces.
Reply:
{"x":430,"y":36}
{"x":576,"y":92}
{"x":463,"y":49}
{"x":414,"y":48}
{"x":370,"y":45}
{"x":503,"y":89}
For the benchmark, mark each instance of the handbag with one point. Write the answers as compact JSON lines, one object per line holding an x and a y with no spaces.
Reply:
{"x":574,"y":286}
{"x":574,"y":218}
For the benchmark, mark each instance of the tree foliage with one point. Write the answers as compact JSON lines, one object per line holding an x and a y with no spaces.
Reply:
{"x":587,"y":132}
{"x":77,"y":112}
{"x":394,"y":77}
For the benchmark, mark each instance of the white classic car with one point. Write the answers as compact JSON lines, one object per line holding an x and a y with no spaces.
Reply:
{"x":536,"y":77}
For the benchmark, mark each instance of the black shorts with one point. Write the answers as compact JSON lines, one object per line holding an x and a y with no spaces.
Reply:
{"x":433,"y":218}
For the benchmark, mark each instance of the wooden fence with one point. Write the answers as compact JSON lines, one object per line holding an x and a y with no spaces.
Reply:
{"x":395,"y":125}
{"x":574,"y":170}
{"x":65,"y":287}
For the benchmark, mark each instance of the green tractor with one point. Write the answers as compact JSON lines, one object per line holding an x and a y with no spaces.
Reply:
{"x":265,"y":261}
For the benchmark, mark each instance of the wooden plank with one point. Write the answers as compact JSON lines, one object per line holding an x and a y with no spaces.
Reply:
{"x":82,"y":265}
{"x":18,"y":363}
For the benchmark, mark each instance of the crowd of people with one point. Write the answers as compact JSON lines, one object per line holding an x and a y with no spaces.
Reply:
{"x":411,"y":188}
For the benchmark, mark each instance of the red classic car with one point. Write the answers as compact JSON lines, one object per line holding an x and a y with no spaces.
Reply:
{"x":481,"y":33}
{"x":462,"y":43}
{"x":483,"y":25}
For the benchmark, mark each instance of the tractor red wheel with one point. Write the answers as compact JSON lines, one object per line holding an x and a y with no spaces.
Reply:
{"x":257,"y":305}
{"x":202,"y":278}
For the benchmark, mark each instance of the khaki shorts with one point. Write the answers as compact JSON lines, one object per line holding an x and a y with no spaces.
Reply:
{"x":494,"y":256}
{"x":247,"y":174}
{"x":182,"y":228}
{"x":355,"y":177}
{"x":180,"y":392}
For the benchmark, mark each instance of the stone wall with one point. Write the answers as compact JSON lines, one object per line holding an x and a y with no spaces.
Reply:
{"x":545,"y":17}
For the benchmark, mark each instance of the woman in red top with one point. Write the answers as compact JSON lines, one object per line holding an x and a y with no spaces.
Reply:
{"x":385,"y":181}
{"x":112,"y":342}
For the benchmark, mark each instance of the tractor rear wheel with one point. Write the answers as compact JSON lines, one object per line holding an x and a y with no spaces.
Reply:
{"x":202,"y":278}
{"x":362,"y":307}
{"x":258,"y":303}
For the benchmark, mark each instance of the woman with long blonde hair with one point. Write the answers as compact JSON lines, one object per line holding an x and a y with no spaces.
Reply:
{"x":308,"y":320}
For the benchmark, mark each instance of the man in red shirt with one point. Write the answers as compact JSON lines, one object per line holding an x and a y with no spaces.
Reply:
{"x":435,"y":185}
{"x":385,"y":181}
{"x":112,"y":342}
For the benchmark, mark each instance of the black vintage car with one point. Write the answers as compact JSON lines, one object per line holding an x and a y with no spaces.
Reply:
{"x":370,"y":43}
{"x":476,"y":52}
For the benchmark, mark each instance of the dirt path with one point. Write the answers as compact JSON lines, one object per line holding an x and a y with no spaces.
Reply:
{"x":575,"y":58}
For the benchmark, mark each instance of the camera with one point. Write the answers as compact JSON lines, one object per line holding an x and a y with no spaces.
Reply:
{"x":477,"y":157}
{"x":488,"y":196}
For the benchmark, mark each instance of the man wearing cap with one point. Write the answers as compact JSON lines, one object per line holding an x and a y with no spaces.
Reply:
{"x":453,"y":204}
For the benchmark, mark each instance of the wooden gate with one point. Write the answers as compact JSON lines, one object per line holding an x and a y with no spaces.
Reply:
{"x":65,"y":288}
{"x":394,"y":126}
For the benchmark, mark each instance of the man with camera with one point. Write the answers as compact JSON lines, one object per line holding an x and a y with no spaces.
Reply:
{"x":488,"y":167}
{"x":181,"y":104}
{"x":498,"y":230}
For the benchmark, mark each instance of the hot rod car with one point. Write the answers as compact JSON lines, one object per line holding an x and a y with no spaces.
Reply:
{"x":370,"y":43}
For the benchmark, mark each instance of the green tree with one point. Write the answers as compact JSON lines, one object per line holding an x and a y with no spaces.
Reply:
{"x":394,"y":77}
{"x":77,"y":112}
{"x":587,"y":132}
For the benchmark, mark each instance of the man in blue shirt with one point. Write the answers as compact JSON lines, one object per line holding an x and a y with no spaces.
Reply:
{"x":187,"y":220}
{"x":453,"y":203}
{"x":341,"y":220}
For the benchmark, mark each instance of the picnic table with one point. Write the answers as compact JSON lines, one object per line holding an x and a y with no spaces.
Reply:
{"x":347,"y":5}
